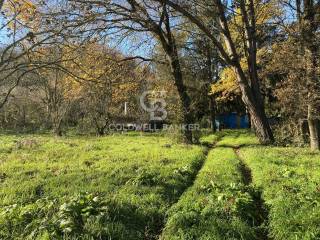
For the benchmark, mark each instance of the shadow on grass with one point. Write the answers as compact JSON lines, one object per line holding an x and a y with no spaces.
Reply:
{"x":83,"y":217}
{"x":259,"y":208}
{"x":238,"y":146}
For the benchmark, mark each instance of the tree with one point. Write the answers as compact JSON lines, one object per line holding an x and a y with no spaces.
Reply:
{"x":1,"y":4}
{"x":227,"y":88}
{"x":201,"y":64}
{"x":26,"y":27}
{"x":309,"y":25}
{"x":250,"y":83}
{"x":155,"y":19}
{"x":106,"y":84}
{"x":300,"y":88}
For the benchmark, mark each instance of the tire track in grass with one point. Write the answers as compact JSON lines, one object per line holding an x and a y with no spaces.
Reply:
{"x":261,"y":208}
{"x":243,"y":168}
{"x":249,"y":213}
{"x":207,"y":148}
{"x":159,"y":230}
{"x":215,"y":207}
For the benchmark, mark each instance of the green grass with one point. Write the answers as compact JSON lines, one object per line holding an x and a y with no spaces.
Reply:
{"x":236,"y":139}
{"x":115,"y":187}
{"x":290,"y":179}
{"x":142,"y":186}
{"x":210,"y":139}
{"x":218,"y":205}
{"x":286,"y":181}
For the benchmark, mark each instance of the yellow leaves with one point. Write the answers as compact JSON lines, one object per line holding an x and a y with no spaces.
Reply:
{"x":92,"y":73}
{"x":267,"y":10}
{"x":227,"y":87}
{"x":72,"y":89}
{"x":85,"y":62}
{"x":21,"y":10}
{"x":98,"y":69}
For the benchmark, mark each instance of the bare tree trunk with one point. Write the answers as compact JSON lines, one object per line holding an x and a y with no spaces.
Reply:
{"x":252,"y":96}
{"x":250,"y":122}
{"x":308,"y":26}
{"x":249,"y":86}
{"x":1,"y":4}
{"x":312,"y":99}
{"x":313,"y":129}
{"x":182,"y":90}
{"x":57,"y":128}
{"x":212,"y":106}
{"x":256,"y":110}
{"x":211,"y":98}
{"x":170,"y":47}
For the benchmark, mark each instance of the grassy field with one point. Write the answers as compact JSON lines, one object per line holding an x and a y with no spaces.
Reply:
{"x":115,"y":186}
{"x":290,"y":179}
{"x":276,"y":196}
{"x":217,"y":206}
{"x":149,"y":187}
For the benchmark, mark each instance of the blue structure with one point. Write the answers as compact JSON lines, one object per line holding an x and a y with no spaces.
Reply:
{"x":232,"y":121}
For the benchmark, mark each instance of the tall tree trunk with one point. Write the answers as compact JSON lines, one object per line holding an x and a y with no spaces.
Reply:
{"x":57,"y":128}
{"x":308,"y":26}
{"x":256,"y":110}
{"x":249,"y":86}
{"x":314,"y":95}
{"x":212,"y":106}
{"x":183,"y":95}
{"x":313,"y":129}
{"x":313,"y":84}
{"x":211,"y":98}
{"x":169,"y":45}
{"x":251,"y":94}
{"x":1,"y":4}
